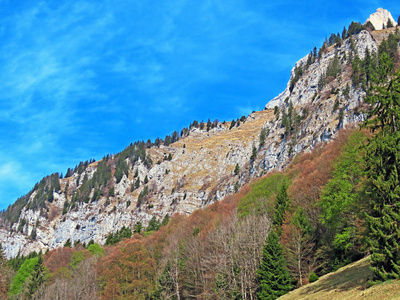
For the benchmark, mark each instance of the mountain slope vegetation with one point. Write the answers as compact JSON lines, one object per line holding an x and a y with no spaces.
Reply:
{"x":288,"y":184}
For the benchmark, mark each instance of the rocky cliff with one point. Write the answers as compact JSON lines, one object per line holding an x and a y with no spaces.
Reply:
{"x":203,"y":166}
{"x":380,"y":18}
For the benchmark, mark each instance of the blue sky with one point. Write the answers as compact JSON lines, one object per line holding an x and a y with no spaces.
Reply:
{"x":80,"y":79}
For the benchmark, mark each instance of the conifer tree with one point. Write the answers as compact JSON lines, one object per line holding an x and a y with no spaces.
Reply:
{"x":383,"y":170}
{"x":253,"y":154}
{"x":137,"y":183}
{"x":263,"y":135}
{"x":282,"y":203}
{"x":237,"y":169}
{"x":138,"y":227}
{"x":273,"y":276}
{"x":165,"y":220}
{"x":38,"y":277}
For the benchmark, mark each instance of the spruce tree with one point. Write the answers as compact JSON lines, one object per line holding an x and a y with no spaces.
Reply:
{"x":281,"y":204}
{"x":253,"y":154}
{"x":237,"y":169}
{"x":383,"y":170}
{"x":263,"y":135}
{"x":137,"y":183}
{"x":273,"y":276}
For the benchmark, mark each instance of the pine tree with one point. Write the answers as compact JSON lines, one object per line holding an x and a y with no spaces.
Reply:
{"x":237,"y":169}
{"x":33,"y":233}
{"x":137,"y":183}
{"x":253,"y":154}
{"x":263,"y":135}
{"x":273,"y":276}
{"x":165,"y":220}
{"x":68,"y":243}
{"x":282,"y":203}
{"x":232,"y":124}
{"x":154,"y":224}
{"x":138,"y":227}
{"x":383,"y":170}
{"x":344,"y":33}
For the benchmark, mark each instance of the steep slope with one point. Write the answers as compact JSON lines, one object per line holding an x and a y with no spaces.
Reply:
{"x":197,"y":170}
{"x":380,"y":18}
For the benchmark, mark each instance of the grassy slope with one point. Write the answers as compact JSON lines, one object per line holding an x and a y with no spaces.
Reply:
{"x":349,"y":282}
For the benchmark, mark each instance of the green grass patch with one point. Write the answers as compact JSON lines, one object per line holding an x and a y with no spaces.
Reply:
{"x":260,"y":194}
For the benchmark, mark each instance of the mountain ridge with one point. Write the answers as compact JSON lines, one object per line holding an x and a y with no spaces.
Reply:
{"x":198,"y":169}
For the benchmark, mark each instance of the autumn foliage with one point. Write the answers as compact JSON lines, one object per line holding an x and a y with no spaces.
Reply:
{"x":215,"y":252}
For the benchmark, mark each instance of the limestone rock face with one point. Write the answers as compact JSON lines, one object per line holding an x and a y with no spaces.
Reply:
{"x":380,"y":18}
{"x":199,"y":168}
{"x":307,"y":85}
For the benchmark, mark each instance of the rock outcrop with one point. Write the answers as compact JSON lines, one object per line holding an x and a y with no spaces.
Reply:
{"x":380,"y":18}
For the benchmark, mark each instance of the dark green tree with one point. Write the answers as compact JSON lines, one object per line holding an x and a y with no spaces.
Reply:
{"x":33,"y":233}
{"x":233,"y":123}
{"x":253,"y":154}
{"x":137,"y":183}
{"x":273,"y":276}
{"x":68,"y":243}
{"x":138,"y":227}
{"x":383,"y":171}
{"x":263,"y":135}
{"x":38,"y":277}
{"x":237,"y":169}
{"x":168,"y":140}
{"x":154,"y":224}
{"x":281,"y":205}
{"x":165,"y":220}
{"x":344,"y":33}
{"x":111,"y":192}
{"x":369,"y":26}
{"x":276,"y":112}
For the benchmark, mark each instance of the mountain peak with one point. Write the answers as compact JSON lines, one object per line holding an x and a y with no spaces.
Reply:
{"x":380,"y":18}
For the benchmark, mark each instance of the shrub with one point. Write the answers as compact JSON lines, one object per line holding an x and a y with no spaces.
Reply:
{"x":313,"y":277}
{"x":96,"y":250}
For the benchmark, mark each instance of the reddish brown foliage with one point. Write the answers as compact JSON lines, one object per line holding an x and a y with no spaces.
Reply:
{"x":58,"y":258}
{"x":311,"y":171}
{"x":128,"y":271}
